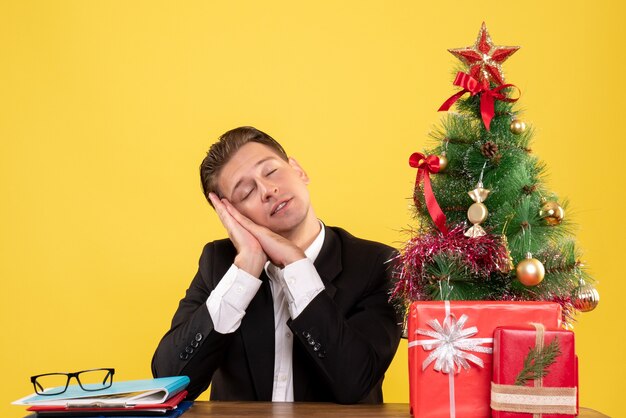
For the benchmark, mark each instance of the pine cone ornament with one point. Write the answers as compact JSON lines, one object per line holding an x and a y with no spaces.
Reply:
{"x":489,"y":149}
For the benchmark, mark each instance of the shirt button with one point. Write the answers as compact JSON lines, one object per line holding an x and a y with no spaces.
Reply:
{"x":198,"y":337}
{"x":240,"y":289}
{"x":282,"y":377}
{"x":291,"y":281}
{"x":288,"y":335}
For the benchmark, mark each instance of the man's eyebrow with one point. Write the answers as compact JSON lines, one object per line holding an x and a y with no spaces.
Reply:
{"x":258,"y":163}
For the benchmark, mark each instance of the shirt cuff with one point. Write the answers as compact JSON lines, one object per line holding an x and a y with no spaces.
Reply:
{"x":228,"y":302}
{"x":301,"y":283}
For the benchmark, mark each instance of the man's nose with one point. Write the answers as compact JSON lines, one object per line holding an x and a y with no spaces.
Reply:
{"x":269,"y":190}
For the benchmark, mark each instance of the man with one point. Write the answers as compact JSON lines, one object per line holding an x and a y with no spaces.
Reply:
{"x":286,"y":309}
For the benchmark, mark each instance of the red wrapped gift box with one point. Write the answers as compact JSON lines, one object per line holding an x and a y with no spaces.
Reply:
{"x":450,"y":356}
{"x":554,"y":396}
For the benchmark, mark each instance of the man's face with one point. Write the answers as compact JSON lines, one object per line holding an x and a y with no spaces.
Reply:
{"x":267,"y":189}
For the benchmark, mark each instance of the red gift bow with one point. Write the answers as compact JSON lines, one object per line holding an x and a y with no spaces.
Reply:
{"x":425,"y":166}
{"x":487,"y":98}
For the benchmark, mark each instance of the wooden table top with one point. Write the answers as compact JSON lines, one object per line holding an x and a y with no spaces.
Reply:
{"x":215,"y":409}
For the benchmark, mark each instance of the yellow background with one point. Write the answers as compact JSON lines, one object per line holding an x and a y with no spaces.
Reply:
{"x":107,"y":109}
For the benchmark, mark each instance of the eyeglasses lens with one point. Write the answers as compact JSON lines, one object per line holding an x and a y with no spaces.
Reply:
{"x":95,"y":379}
{"x":51,"y":384}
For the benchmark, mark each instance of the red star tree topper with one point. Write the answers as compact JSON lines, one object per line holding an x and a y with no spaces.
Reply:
{"x":484,"y":58}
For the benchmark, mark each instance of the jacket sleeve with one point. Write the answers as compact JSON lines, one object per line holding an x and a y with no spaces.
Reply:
{"x":353,"y":346}
{"x":192,"y":347}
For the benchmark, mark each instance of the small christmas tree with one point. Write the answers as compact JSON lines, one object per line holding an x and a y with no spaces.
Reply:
{"x":488,"y":227}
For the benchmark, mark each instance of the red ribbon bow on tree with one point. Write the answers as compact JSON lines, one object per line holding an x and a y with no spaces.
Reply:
{"x":487,"y":98}
{"x":425,"y":166}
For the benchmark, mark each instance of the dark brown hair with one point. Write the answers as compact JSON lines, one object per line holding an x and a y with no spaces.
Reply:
{"x":228,"y":144}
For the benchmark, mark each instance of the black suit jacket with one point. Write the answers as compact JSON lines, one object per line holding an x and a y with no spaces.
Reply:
{"x":344,"y":340}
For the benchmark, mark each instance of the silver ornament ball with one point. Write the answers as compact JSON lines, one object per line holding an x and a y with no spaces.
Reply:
{"x":585,"y":298}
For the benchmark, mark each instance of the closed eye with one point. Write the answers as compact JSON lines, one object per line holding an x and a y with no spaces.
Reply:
{"x":271,"y":172}
{"x":248,"y":194}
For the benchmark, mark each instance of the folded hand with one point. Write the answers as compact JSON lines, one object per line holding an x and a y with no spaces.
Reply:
{"x":278,"y":249}
{"x":250,"y":255}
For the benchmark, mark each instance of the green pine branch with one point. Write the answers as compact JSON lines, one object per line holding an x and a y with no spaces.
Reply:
{"x":537,"y":362}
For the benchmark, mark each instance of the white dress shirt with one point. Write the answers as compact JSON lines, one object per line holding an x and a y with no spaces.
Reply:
{"x":292,"y":289}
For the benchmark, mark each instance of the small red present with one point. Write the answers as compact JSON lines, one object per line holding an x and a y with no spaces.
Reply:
{"x":535,"y":371}
{"x":450,"y":346}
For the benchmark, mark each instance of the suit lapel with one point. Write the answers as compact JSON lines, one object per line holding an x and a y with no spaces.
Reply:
{"x":328,"y":261}
{"x":257,"y":331}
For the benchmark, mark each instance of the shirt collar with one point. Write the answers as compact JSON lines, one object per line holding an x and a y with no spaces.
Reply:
{"x":316,"y":246}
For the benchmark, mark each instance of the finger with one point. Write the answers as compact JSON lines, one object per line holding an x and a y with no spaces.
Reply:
{"x":247,"y":223}
{"x":221,"y":210}
{"x":250,"y":255}
{"x":217,"y":203}
{"x":236,"y":231}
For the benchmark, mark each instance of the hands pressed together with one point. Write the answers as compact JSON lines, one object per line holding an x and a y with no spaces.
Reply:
{"x":255,"y":244}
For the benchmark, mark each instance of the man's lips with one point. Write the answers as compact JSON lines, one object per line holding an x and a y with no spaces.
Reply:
{"x":279,"y":206}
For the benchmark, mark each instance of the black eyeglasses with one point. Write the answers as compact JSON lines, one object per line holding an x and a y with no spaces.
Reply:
{"x":57,"y":383}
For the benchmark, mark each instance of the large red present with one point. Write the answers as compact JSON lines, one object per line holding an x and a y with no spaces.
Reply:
{"x":535,"y":371}
{"x":450,"y":346}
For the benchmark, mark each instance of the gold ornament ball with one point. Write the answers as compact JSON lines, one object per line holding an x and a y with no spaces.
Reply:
{"x":477,"y":213}
{"x":530,"y":272}
{"x":518,"y":126}
{"x":443,"y":162}
{"x":552,"y":213}
{"x":585,"y":298}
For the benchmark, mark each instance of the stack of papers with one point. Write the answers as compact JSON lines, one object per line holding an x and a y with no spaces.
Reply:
{"x":161,"y":397}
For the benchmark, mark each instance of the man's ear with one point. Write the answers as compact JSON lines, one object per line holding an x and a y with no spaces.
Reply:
{"x":294,"y":164}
